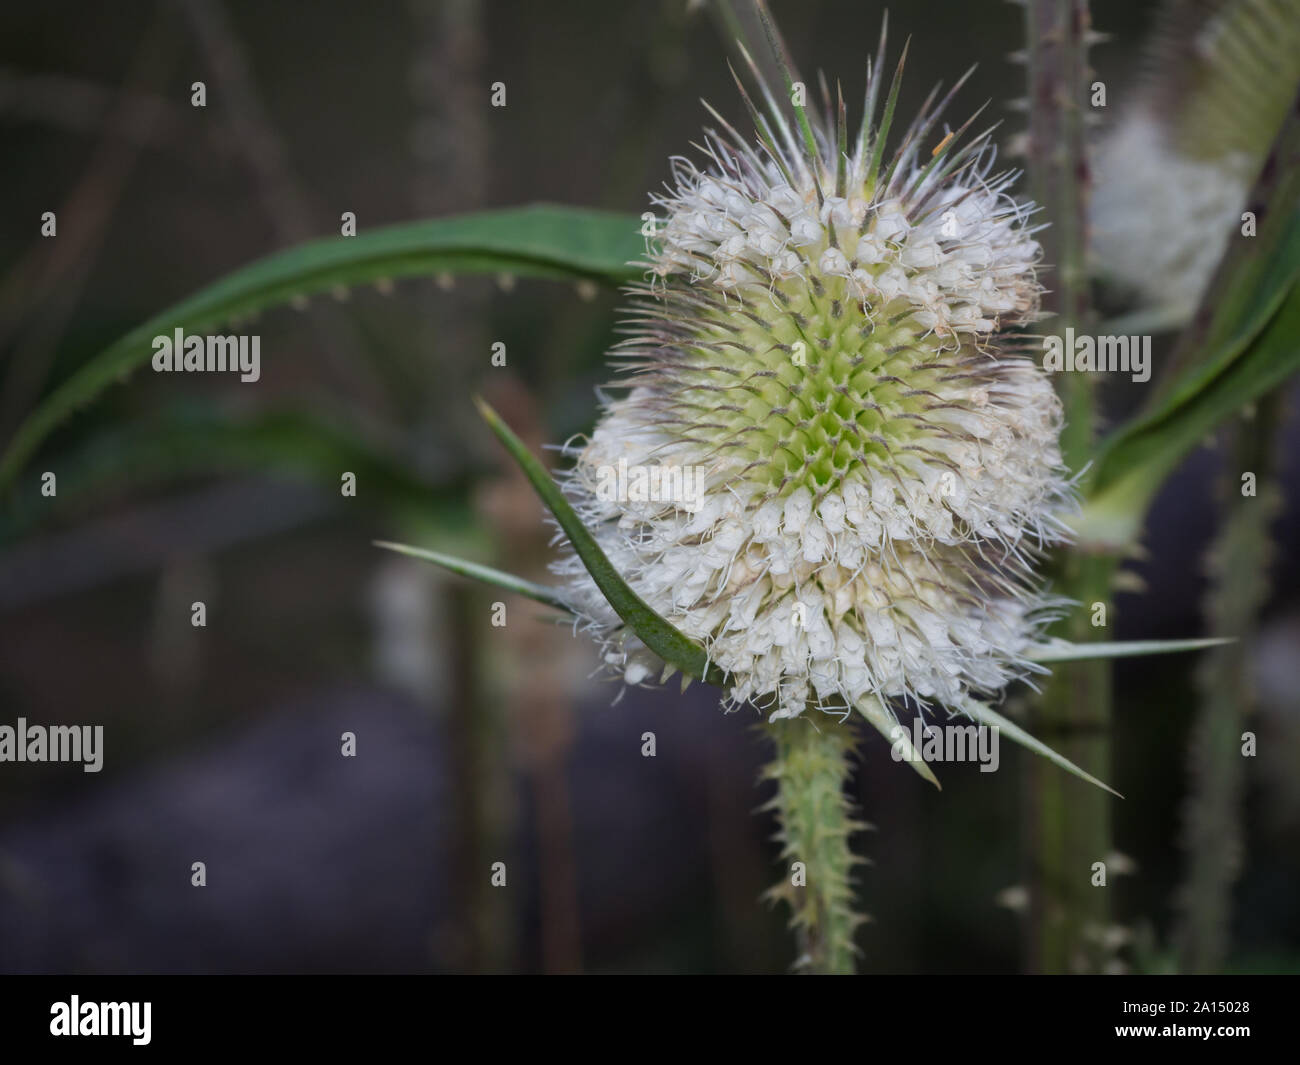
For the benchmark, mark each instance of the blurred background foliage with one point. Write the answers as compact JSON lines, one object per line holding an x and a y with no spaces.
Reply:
{"x":475,"y":744}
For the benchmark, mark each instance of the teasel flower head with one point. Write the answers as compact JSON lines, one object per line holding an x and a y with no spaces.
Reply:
{"x":861,"y":456}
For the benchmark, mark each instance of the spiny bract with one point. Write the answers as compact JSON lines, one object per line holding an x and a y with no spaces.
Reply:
{"x":822,"y":339}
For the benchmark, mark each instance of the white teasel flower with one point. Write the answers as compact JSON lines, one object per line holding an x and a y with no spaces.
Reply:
{"x":823,"y":336}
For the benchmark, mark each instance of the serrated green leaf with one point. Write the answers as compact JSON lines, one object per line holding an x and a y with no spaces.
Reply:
{"x":663,"y":639}
{"x":507,"y":581}
{"x":986,"y":715}
{"x":1064,"y":651}
{"x":539,"y":241}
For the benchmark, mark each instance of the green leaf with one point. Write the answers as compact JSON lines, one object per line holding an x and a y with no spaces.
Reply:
{"x":1064,"y":651}
{"x":1134,"y":467}
{"x":539,"y":241}
{"x":663,"y":639}
{"x":888,"y":726}
{"x":1251,"y":298}
{"x":986,"y":715}
{"x":510,"y":583}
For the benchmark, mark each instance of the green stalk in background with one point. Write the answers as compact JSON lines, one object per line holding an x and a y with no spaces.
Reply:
{"x":1068,"y":825}
{"x":1238,"y":567}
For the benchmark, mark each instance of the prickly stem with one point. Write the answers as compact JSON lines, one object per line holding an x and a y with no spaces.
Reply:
{"x":810,"y":768}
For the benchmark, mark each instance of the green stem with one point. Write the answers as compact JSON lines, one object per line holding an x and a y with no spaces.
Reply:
{"x":1068,"y":825}
{"x":810,"y":769}
{"x":1058,"y":77}
{"x":1238,"y":568}
{"x":480,"y":796}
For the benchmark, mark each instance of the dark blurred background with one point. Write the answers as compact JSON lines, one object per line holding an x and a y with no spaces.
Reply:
{"x":475,"y":744}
